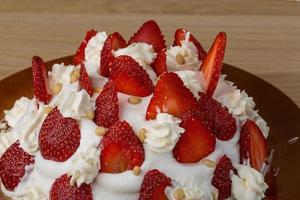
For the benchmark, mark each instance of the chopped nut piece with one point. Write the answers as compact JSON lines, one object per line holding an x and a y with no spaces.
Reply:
{"x":179,"y":194}
{"x":215,"y":195}
{"x":57,"y":88}
{"x":134,"y":100}
{"x":100,"y":131}
{"x":142,"y":134}
{"x":180,"y":59}
{"x":136,"y":170}
{"x":90,"y":115}
{"x":48,"y":109}
{"x":209,"y":163}
{"x":98,"y":89}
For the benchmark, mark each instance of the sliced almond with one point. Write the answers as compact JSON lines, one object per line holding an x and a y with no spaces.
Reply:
{"x":142,"y":134}
{"x":48,"y":109}
{"x":179,"y":194}
{"x":208,"y":163}
{"x":136,"y":170}
{"x":90,"y":115}
{"x":57,"y":88}
{"x":134,"y":100}
{"x":98,"y":89}
{"x":180,"y":59}
{"x":100,"y":131}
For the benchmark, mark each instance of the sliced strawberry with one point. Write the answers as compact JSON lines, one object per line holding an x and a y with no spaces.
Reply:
{"x":12,"y":165}
{"x":211,"y":66}
{"x":216,"y":117}
{"x":154,"y":185}
{"x":80,"y":53}
{"x":253,"y":145}
{"x":180,"y":35}
{"x":130,"y":78}
{"x":40,"y":83}
{"x":121,"y":149}
{"x":221,"y":179}
{"x":160,"y":63}
{"x":62,"y":190}
{"x":112,"y":43}
{"x":196,"y":142}
{"x":149,"y":33}
{"x":59,"y":137}
{"x":170,"y":96}
{"x":107,"y":108}
{"x":84,"y":80}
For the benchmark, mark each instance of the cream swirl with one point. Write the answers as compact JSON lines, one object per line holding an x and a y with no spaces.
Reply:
{"x":189,"y":53}
{"x":191,"y":81}
{"x":163,"y":132}
{"x":85,"y":166}
{"x":190,"y":192}
{"x":142,"y":53}
{"x":248,"y":184}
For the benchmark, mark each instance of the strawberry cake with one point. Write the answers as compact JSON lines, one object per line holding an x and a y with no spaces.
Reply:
{"x":135,"y":120}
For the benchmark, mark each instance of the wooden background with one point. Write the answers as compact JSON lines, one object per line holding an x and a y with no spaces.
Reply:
{"x":264,"y":35}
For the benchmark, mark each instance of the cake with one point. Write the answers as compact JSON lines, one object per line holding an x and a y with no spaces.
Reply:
{"x":135,"y":120}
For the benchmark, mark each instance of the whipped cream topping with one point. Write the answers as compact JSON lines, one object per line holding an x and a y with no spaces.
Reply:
{"x":191,"y":80}
{"x":248,"y":184}
{"x":190,"y":192}
{"x":163,"y":132}
{"x":188,"y":51}
{"x":93,"y":49}
{"x":142,"y":53}
{"x":6,"y":140}
{"x":85,"y":166}
{"x":33,"y":193}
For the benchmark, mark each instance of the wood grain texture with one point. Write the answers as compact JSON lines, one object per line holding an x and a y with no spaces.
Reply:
{"x":263,"y":34}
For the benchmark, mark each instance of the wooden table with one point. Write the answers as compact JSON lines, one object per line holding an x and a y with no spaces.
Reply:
{"x":264,"y":36}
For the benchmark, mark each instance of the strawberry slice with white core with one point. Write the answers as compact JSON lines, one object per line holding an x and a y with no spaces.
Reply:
{"x":180,"y":36}
{"x":80,"y":53}
{"x":253,"y":145}
{"x":112,"y":43}
{"x":149,"y":33}
{"x":170,"y":96}
{"x":211,"y":66}
{"x":40,"y":80}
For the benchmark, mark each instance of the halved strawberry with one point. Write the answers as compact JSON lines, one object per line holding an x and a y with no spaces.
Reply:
{"x":170,"y":96}
{"x":112,"y":43}
{"x":12,"y":165}
{"x":59,"y":137}
{"x":130,"y":78}
{"x":121,"y":149}
{"x":62,"y":190}
{"x":149,"y":33}
{"x":40,"y":83}
{"x":196,"y":142}
{"x":160,"y":63}
{"x":221,"y":179}
{"x":216,"y":117}
{"x":84,"y":80}
{"x":154,"y":185}
{"x":211,"y":66}
{"x":107,"y":108}
{"x":253,"y":145}
{"x":180,"y":35}
{"x":80,"y":53}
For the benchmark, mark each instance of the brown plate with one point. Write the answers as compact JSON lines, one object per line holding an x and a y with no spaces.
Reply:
{"x":281,"y":113}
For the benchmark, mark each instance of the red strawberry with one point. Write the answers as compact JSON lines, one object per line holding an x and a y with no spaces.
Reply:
{"x":59,"y":137}
{"x":221,"y":179}
{"x":12,"y":165}
{"x":121,"y":149}
{"x":180,"y":36}
{"x":153,"y":186}
{"x":130,"y":78}
{"x":84,"y":80}
{"x":80,"y":53}
{"x":62,"y":190}
{"x":196,"y":142}
{"x":107,"y":108}
{"x":149,"y":33}
{"x":170,"y":96}
{"x":113,"y":42}
{"x":212,"y":64}
{"x":160,"y":63}
{"x":216,"y":117}
{"x":253,"y":145}
{"x":40,"y":83}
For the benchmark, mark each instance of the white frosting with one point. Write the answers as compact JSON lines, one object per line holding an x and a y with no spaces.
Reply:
{"x":93,"y":51}
{"x":142,"y":53}
{"x":190,"y":192}
{"x":248,"y":184}
{"x":189,"y":53}
{"x":33,"y":193}
{"x":163,"y":132}
{"x":191,"y":80}
{"x":6,"y":140}
{"x":85,"y":166}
